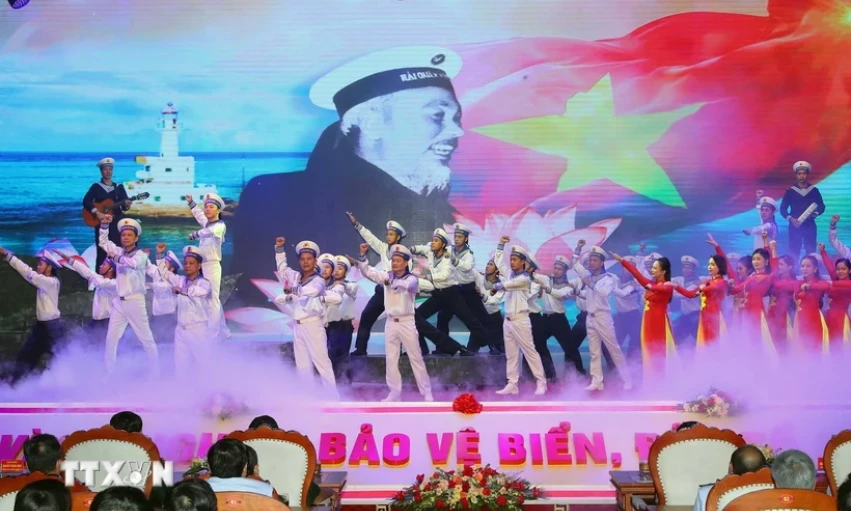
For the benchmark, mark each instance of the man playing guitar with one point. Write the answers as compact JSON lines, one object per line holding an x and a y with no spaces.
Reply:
{"x":105,"y":189}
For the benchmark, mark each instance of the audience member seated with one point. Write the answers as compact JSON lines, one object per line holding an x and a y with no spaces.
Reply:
{"x":843,"y":495}
{"x":44,"y":495}
{"x":747,"y":458}
{"x":121,"y":498}
{"x":263,"y":420}
{"x":228,"y":461}
{"x":126,"y":421}
{"x":192,"y":495}
{"x":42,"y":453}
{"x":794,"y":469}
{"x":687,"y":425}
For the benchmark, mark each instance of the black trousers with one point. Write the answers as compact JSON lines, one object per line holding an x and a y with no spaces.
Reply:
{"x":452,"y":300}
{"x":494,"y":328}
{"x":113,"y":237}
{"x":96,"y":332}
{"x":804,"y":235}
{"x":558,"y":326}
{"x":628,"y":324}
{"x":339,"y":335}
{"x":45,"y":339}
{"x":474,"y":302}
{"x":375,"y":307}
{"x":540,"y":336}
{"x":685,"y":326}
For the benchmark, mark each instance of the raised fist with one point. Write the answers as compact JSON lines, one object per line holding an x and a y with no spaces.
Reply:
{"x":364,"y":249}
{"x":188,"y":198}
{"x":834,"y":219}
{"x":821,"y":247}
{"x":580,"y":243}
{"x":279,"y":241}
{"x":642,"y":245}
{"x":352,"y":218}
{"x":161,"y":247}
{"x":505,"y":239}
{"x":107,"y":218}
{"x":759,"y":194}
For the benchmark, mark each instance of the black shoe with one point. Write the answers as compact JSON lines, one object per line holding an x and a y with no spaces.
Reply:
{"x":496,"y":351}
{"x":464,"y":352}
{"x":358,"y":353}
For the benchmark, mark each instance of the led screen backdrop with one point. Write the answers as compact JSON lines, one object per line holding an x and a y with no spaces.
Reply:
{"x":612,"y":121}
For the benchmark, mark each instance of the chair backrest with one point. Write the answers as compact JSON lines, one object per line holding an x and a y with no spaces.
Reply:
{"x":734,"y":486}
{"x":10,"y":486}
{"x":837,"y":459}
{"x":783,"y":499}
{"x":110,"y":444}
{"x":287,"y":459}
{"x":82,"y":501}
{"x":681,"y":461}
{"x":243,"y":501}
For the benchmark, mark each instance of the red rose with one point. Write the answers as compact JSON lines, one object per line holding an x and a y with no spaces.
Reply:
{"x":440,"y":504}
{"x":451,"y":473}
{"x":500,"y":500}
{"x":418,"y":498}
{"x":427,"y":487}
{"x":486,"y":492}
{"x":701,"y":408}
{"x":465,"y":487}
{"x":464,"y":503}
{"x":710,"y":401}
{"x":435,"y":475}
{"x":521,"y":499}
{"x":420,"y":478}
{"x":468,"y":471}
{"x":536,"y":492}
{"x":400,"y":496}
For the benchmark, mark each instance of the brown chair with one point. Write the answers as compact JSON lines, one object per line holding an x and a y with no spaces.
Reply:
{"x":109,"y":444}
{"x":782,"y":498}
{"x":734,"y":486}
{"x":837,"y":459}
{"x":82,"y":501}
{"x":10,"y":486}
{"x":681,"y":461}
{"x":243,"y":501}
{"x":287,"y":459}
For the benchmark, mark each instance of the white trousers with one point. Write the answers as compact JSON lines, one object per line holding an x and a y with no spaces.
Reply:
{"x":133,"y":312}
{"x":601,"y":330}
{"x":192,"y":351}
{"x":517,"y":332}
{"x":310,"y":345}
{"x":213,"y":272}
{"x":400,"y":332}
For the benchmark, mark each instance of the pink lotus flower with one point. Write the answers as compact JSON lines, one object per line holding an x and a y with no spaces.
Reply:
{"x":545,"y":236}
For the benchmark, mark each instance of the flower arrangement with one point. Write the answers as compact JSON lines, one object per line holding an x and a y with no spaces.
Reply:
{"x":715,"y":404}
{"x":467,"y":489}
{"x":467,"y":404}
{"x":197,"y":466}
{"x":769,"y":453}
{"x":224,"y":406}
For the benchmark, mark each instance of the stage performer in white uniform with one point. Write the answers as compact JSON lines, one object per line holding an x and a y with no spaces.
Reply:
{"x":601,"y":328}
{"x":164,"y":300}
{"x":400,"y":292}
{"x":47,"y":331}
{"x":306,"y":290}
{"x":340,"y":317}
{"x":210,"y":238}
{"x":517,"y":328}
{"x":131,"y":266}
{"x":105,"y":292}
{"x":194,"y":322}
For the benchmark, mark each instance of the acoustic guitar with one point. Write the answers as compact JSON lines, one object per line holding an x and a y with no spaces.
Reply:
{"x":107,"y":206}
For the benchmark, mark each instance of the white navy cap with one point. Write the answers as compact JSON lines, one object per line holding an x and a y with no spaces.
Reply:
{"x":212,"y":198}
{"x":308,"y":246}
{"x":517,"y":250}
{"x":192,"y":251}
{"x":328,"y":259}
{"x":654,"y":256}
{"x":599,"y":252}
{"x":172,"y":258}
{"x":532,"y":262}
{"x":393,"y":225}
{"x":385,"y":72}
{"x":687,"y":259}
{"x":763,"y":201}
{"x":402,"y":251}
{"x":560,"y":259}
{"x":343,"y":261}
{"x":129,"y":223}
{"x":106,"y":161}
{"x":440,"y":233}
{"x":463,"y":229}
{"x":51,"y":258}
{"x":802,"y":165}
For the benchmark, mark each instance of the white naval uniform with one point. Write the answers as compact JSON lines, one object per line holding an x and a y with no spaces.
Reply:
{"x":380,"y":247}
{"x":105,"y":290}
{"x":192,"y":339}
{"x":164,"y":300}
{"x":400,"y":330}
{"x":310,"y":341}
{"x":493,"y":303}
{"x":517,"y":328}
{"x":340,"y":301}
{"x":211,"y":236}
{"x":129,"y":306}
{"x":688,"y":306}
{"x":47,"y":289}
{"x":841,"y":250}
{"x":600,"y":326}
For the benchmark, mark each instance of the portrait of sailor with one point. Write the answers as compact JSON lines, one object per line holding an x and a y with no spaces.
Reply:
{"x":388,"y":156}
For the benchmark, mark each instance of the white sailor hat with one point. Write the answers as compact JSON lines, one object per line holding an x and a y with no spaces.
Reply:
{"x":51,"y":258}
{"x":106,"y":161}
{"x":108,"y":260}
{"x":393,"y":225}
{"x":463,"y":229}
{"x":385,"y":72}
{"x":763,"y":201}
{"x":802,"y":165}
{"x":560,"y":259}
{"x":212,"y":198}
{"x":129,"y":223}
{"x":440,"y":233}
{"x":517,"y":250}
{"x":654,"y":256}
{"x":343,"y":261}
{"x":402,"y":251}
{"x":598,"y":251}
{"x":687,"y":259}
{"x":192,"y":251}
{"x":533,"y":263}
{"x":307,"y":246}
{"x":329,"y":259}
{"x":172,"y":258}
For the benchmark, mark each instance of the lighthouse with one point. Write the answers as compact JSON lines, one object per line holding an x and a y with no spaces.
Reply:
{"x":169,"y":132}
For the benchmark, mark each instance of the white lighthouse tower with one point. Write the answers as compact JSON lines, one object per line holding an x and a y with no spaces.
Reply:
{"x":169,"y":177}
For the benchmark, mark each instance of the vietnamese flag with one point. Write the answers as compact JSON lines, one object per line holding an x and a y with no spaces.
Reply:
{"x":678,"y":122}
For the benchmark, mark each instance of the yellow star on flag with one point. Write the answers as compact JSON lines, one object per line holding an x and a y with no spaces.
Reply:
{"x":598,"y":144}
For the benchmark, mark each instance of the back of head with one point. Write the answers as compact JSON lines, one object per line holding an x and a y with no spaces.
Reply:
{"x":263,"y":420}
{"x":252,"y":460}
{"x":191,"y":495}
{"x":687,"y":425}
{"x":44,"y":495}
{"x":227,"y":458}
{"x":42,"y":453}
{"x":126,"y":421}
{"x":793,"y":469}
{"x":843,"y":495}
{"x":747,"y":458}
{"x":121,"y":498}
